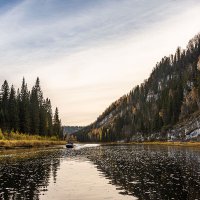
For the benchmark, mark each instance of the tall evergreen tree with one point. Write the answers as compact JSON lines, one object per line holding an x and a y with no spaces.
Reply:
{"x":13,"y":110}
{"x":56,"y":124}
{"x":43,"y":120}
{"x":4,"y":105}
{"x":34,"y":112}
{"x":39,"y":91}
{"x":49,"y":117}
{"x":24,"y":113}
{"x":36,"y":99}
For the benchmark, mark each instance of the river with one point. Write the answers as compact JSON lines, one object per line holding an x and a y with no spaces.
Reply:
{"x":94,"y":172}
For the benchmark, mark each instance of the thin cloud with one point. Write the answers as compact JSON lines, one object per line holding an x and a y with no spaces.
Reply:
{"x":79,"y":44}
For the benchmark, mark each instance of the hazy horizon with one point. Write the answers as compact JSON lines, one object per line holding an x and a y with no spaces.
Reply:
{"x":90,"y":53}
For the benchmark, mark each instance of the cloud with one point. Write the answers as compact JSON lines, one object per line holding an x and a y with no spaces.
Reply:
{"x":88,"y":53}
{"x":39,"y":29}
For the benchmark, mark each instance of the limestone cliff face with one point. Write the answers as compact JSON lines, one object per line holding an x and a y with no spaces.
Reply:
{"x":188,"y":129}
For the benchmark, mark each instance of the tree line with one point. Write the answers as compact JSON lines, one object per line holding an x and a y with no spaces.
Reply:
{"x":170,"y":95}
{"x":27,"y":111}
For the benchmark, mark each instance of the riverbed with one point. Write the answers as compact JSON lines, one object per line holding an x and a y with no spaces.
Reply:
{"x":117,"y":172}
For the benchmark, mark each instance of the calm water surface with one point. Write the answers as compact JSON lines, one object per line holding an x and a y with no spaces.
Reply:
{"x":101,"y":172}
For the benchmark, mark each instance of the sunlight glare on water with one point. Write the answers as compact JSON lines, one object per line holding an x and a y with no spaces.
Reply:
{"x":80,"y":146}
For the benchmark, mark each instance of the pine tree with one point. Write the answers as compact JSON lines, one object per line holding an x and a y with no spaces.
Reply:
{"x":49,"y":117}
{"x":56,"y":124}
{"x":36,"y":99}
{"x":13,"y":110}
{"x":24,"y":113}
{"x":34,"y":112}
{"x":4,"y":106}
{"x":43,"y":120}
{"x":38,"y":91}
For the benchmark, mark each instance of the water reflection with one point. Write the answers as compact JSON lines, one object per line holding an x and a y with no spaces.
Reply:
{"x":151,"y":173}
{"x":26,"y":175}
{"x":145,"y":172}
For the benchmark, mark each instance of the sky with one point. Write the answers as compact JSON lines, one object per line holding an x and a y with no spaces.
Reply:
{"x":89,"y":53}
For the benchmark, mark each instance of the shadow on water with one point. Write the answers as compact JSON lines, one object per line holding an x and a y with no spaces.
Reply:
{"x":151,"y":173}
{"x":26,"y":174}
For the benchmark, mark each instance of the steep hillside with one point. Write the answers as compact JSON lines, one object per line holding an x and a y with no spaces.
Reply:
{"x":160,"y":108}
{"x":71,"y":129}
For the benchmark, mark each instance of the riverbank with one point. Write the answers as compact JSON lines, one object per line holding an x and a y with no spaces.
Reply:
{"x":11,"y":144}
{"x":18,"y":140}
{"x":183,"y":144}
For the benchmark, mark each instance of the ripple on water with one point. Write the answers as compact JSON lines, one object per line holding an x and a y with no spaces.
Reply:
{"x":100,"y":172}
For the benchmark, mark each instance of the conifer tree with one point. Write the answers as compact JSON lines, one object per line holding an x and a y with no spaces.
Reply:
{"x":38,"y":91}
{"x":4,"y":105}
{"x":24,"y":113}
{"x":49,"y":117}
{"x":34,"y":112}
{"x":36,"y":99}
{"x":43,"y":120}
{"x":56,"y":124}
{"x":13,"y":110}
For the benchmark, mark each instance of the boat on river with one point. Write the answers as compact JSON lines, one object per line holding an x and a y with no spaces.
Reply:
{"x":69,"y":145}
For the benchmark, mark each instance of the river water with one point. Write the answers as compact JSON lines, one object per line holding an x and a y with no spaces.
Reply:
{"x":93,"y":172}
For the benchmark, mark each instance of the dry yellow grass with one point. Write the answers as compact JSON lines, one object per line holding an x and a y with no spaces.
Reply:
{"x":183,"y":144}
{"x":12,"y":140}
{"x":28,"y":143}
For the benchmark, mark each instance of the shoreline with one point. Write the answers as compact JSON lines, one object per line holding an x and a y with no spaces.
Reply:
{"x":16,"y":144}
{"x":180,"y":144}
{"x":23,"y":144}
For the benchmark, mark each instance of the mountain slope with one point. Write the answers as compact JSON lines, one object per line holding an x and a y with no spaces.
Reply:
{"x":155,"y":109}
{"x":71,"y":129}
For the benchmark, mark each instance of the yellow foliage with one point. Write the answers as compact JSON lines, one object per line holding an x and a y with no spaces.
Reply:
{"x":20,"y":136}
{"x":134,"y":110}
{"x":161,"y":114}
{"x":1,"y":135}
{"x":198,"y":64}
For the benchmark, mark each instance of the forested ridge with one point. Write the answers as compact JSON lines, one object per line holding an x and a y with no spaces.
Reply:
{"x":151,"y":110}
{"x":27,"y":111}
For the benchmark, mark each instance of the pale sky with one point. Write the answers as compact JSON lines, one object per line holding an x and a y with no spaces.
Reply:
{"x":88,"y":53}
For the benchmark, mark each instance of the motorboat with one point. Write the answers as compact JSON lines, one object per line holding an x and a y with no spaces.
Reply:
{"x":69,"y":145}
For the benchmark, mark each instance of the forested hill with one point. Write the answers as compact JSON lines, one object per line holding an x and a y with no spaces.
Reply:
{"x":71,"y":129}
{"x":27,"y":111}
{"x":152,"y":110}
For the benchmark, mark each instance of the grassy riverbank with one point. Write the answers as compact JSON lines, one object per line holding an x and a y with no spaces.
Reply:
{"x":183,"y":144}
{"x":16,"y":140}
